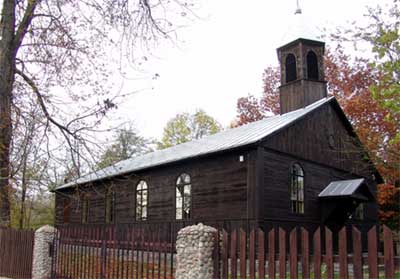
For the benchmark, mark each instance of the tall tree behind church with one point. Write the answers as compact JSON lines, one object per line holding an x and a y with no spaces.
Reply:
{"x":58,"y":50}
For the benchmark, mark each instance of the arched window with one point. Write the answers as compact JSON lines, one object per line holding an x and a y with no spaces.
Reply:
{"x":110,"y":206}
{"x":183,"y":197}
{"x":312,"y":65}
{"x":291,"y":69}
{"x":85,"y":209}
{"x":141,"y":200}
{"x":297,"y":189}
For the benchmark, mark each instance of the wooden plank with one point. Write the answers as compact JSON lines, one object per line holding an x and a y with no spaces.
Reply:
{"x":242,"y":254}
{"x":224,"y":254}
{"x":97,"y":254}
{"x":159,"y":252}
{"x":328,"y":253}
{"x":305,"y":253}
{"x":101,"y":257}
{"x":252,"y":254}
{"x":271,"y":254}
{"x":282,"y":254}
{"x":372,"y":253}
{"x":293,"y":254}
{"x":357,"y":254}
{"x":147,"y":241}
{"x":69,"y":253}
{"x":261,"y":254}
{"x":343,"y":265}
{"x":153,"y":252}
{"x":388,"y":250}
{"x":165,"y":256}
{"x":60,"y":253}
{"x":172,"y":243}
{"x":234,"y":254}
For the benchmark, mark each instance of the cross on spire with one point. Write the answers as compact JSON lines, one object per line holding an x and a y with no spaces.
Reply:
{"x":298,"y":9}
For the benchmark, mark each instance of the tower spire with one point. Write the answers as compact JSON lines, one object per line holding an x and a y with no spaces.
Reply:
{"x":298,"y":9}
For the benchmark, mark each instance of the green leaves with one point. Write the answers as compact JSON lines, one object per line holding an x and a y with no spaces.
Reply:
{"x":186,"y":127}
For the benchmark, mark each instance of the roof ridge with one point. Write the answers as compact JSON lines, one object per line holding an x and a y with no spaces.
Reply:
{"x":222,"y":141}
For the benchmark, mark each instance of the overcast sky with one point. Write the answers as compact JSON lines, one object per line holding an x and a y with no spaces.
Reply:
{"x":222,"y":56}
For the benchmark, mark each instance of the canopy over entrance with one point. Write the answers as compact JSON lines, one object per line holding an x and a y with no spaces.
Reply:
{"x":340,"y":198}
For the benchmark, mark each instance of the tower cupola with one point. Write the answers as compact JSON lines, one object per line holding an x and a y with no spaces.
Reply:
{"x":301,"y":65}
{"x":302,"y":74}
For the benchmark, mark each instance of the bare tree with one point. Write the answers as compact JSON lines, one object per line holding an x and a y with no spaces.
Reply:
{"x":56,"y":52}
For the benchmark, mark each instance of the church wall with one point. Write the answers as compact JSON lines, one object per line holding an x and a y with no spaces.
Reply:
{"x":322,"y":145}
{"x":221,"y":189}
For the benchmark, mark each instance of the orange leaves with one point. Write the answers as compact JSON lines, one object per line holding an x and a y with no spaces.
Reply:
{"x":389,"y":205}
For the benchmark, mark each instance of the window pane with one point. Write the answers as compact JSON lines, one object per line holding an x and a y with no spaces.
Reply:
{"x":144,"y":213}
{"x":178,"y":213}
{"x":186,"y":178}
{"x":301,"y":195}
{"x":138,"y":199}
{"x":178,"y":193}
{"x":144,"y":197}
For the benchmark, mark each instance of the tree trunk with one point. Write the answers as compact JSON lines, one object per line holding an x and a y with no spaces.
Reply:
{"x":7,"y":66}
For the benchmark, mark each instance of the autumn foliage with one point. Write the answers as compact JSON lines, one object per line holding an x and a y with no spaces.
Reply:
{"x":349,"y":80}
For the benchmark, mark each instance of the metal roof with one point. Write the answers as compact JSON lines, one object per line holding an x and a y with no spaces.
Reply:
{"x":225,"y":140}
{"x":342,"y":188}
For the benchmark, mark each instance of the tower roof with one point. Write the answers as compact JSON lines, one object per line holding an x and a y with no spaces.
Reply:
{"x":300,"y":25}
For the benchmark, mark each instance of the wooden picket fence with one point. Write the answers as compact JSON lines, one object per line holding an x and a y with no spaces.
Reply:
{"x":116,"y":251}
{"x":245,"y":252}
{"x":294,"y":254}
{"x":16,"y":255}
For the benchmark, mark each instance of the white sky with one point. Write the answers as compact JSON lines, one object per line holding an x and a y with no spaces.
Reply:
{"x":221,"y":57}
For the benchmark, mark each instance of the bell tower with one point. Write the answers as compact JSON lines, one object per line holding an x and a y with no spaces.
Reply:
{"x":302,"y":74}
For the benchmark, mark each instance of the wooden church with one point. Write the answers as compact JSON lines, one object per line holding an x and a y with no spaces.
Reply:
{"x":304,"y":167}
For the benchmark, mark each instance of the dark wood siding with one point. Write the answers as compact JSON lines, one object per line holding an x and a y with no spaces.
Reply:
{"x":219,"y":191}
{"x":317,"y":177}
{"x":307,"y":142}
{"x":322,"y":137}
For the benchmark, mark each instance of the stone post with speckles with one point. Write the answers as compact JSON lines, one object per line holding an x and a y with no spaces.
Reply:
{"x":194,"y":248}
{"x":41,"y":266}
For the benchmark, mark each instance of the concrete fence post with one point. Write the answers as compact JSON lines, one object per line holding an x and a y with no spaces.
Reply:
{"x":194,"y":248}
{"x":41,"y":266}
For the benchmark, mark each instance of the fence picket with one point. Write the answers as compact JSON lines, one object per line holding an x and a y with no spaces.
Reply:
{"x":388,"y":252}
{"x":293,"y":254}
{"x":372,"y":253}
{"x":357,"y":254}
{"x":242,"y":251}
{"x":282,"y":254}
{"x":271,"y":254}
{"x":317,"y":253}
{"x":261,"y":254}
{"x":233,"y":254}
{"x":224,"y":252}
{"x":252,"y":254}
{"x":305,"y":252}
{"x":343,"y":268}
{"x":328,"y":253}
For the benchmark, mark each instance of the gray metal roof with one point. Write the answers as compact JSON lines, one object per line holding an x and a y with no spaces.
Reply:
{"x":341,"y":188}
{"x":225,"y":140}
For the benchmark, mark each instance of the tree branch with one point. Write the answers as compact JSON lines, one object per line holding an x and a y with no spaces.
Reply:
{"x":39,"y":96}
{"x":25,"y":23}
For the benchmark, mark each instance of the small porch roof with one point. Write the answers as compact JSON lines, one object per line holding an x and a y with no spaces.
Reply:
{"x":353,"y":188}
